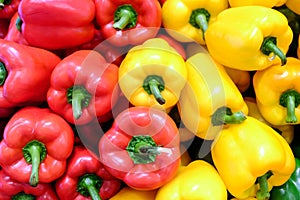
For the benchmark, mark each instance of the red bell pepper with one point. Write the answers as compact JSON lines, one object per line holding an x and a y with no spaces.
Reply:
{"x":36,"y":143}
{"x":8,"y":8}
{"x":86,"y":178}
{"x":13,"y":33}
{"x":125,"y":22}
{"x":24,"y":74}
{"x":11,"y":189}
{"x":55,"y":24}
{"x":4,"y":23}
{"x":141,"y":148}
{"x":83,"y":86}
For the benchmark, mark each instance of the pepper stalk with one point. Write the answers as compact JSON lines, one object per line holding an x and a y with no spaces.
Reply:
{"x":224,"y":115}
{"x":290,"y":99}
{"x":89,"y":186}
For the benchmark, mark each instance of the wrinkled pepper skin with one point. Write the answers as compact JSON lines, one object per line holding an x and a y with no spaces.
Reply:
{"x":277,"y":92}
{"x":128,"y":193}
{"x":25,"y":74}
{"x":266,"y":3}
{"x":141,"y":148}
{"x":289,"y":190}
{"x":11,"y":189}
{"x":293,"y":5}
{"x":84,"y":174}
{"x":36,"y":144}
{"x":153,"y":74}
{"x":270,"y":153}
{"x":83,"y":86}
{"x":259,"y":39}
{"x":127,"y":22}
{"x":186,"y":21}
{"x":198,"y":103}
{"x":55,"y":24}
{"x":197,"y":180}
{"x":8,"y":8}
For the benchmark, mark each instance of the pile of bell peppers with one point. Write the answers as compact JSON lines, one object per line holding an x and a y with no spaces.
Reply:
{"x":149,"y":100}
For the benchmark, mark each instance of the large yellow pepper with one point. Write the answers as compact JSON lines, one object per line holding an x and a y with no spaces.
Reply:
{"x":293,"y":5}
{"x":128,"y":193}
{"x":266,"y":3}
{"x":287,"y":131}
{"x":249,"y":37}
{"x":210,"y":99}
{"x":251,"y":158}
{"x":198,"y":180}
{"x":152,"y":74}
{"x":277,"y":91}
{"x":187,"y":20}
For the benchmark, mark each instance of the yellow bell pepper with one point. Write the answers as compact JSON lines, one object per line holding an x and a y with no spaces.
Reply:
{"x":128,"y":193}
{"x":210,"y":99}
{"x":198,"y":180}
{"x":277,"y":92}
{"x":251,"y":158}
{"x":265,"y":3}
{"x":187,"y":20}
{"x":152,"y":74}
{"x":249,"y":38}
{"x":287,"y":131}
{"x":293,"y":5}
{"x":241,"y":78}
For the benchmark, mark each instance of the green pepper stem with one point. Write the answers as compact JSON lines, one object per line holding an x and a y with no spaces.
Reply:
{"x":199,"y":19}
{"x":34,"y":153}
{"x":23,"y":196}
{"x":263,"y":192}
{"x":155,"y":91}
{"x":290,"y":99}
{"x":3,"y":73}
{"x":89,"y":186}
{"x":19,"y":24}
{"x":269,"y":45}
{"x":125,"y":17}
{"x":224,"y":115}
{"x":154,"y":85}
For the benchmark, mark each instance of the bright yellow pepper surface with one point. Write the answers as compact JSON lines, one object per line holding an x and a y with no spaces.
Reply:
{"x":198,"y":180}
{"x":277,"y":92}
{"x":241,"y":78}
{"x":152,"y":74}
{"x":128,"y":193}
{"x":251,"y":158}
{"x":187,"y":20}
{"x":209,"y":90}
{"x":266,"y":3}
{"x":249,"y":38}
{"x":287,"y":131}
{"x":293,"y":5}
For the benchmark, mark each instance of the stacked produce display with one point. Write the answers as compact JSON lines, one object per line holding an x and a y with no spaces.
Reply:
{"x":149,"y":100}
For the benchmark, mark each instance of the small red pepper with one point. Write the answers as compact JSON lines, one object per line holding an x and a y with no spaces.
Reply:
{"x":83,"y":86}
{"x":86,"y":178}
{"x":55,"y":24}
{"x":13,"y":32}
{"x":8,"y":8}
{"x":141,"y":148}
{"x":11,"y":189}
{"x":24,"y":74}
{"x":125,"y":22}
{"x":36,"y":143}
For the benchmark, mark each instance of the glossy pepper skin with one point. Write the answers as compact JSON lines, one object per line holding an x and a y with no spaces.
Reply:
{"x":197,"y":180}
{"x":24,"y":74}
{"x":55,"y":24}
{"x":141,"y":148}
{"x":241,"y":78}
{"x":279,"y":106}
{"x":290,"y":190}
{"x":200,"y":107}
{"x":287,"y":131}
{"x":13,"y":34}
{"x":11,"y":189}
{"x":152,"y":74}
{"x":128,"y":193}
{"x":83,"y":86}
{"x":266,"y":3}
{"x":238,"y":147}
{"x":293,"y":5}
{"x":259,"y":39}
{"x":36,"y":144}
{"x":128,"y":22}
{"x":8,"y":8}
{"x":86,"y":178}
{"x":187,"y":21}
